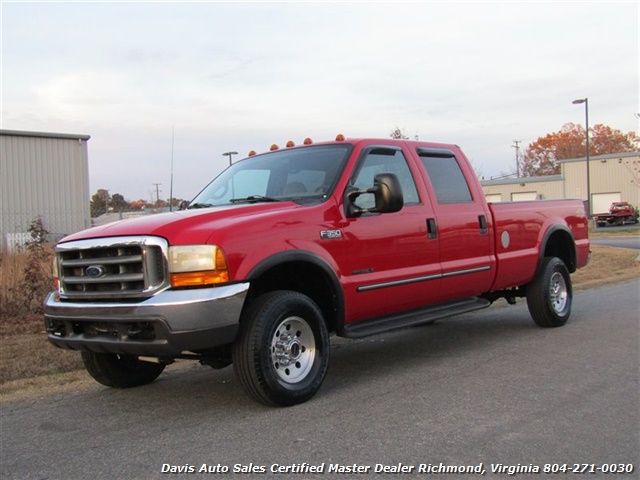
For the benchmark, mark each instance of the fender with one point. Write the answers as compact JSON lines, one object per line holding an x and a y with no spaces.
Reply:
{"x":569,"y":260}
{"x":306,"y":257}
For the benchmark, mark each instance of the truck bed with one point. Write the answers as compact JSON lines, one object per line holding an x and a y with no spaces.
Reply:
{"x":521,"y":230}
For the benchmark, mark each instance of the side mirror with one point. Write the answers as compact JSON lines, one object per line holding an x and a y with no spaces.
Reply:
{"x":387,"y":193}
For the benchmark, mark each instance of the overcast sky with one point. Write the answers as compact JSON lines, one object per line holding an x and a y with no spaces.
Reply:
{"x":243,"y":75}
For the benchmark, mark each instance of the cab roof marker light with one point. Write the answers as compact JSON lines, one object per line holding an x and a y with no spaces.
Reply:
{"x":308,"y":141}
{"x":340,"y":138}
{"x":290,"y":144}
{"x":274,"y":147}
{"x":252,"y":153}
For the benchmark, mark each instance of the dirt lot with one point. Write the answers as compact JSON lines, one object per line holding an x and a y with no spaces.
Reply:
{"x":28,"y":363}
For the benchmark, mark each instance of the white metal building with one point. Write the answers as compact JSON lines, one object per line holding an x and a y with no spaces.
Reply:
{"x":42,"y":175}
{"x":612,"y":178}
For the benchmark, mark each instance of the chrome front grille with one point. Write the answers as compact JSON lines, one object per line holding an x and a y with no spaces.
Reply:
{"x":110,"y":268}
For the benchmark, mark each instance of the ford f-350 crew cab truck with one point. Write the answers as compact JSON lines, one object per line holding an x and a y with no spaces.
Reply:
{"x":351,"y":237}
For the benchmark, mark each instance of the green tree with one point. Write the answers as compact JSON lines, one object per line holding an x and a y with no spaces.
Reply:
{"x":118,"y":203}
{"x":542,"y":156}
{"x":99,"y":202}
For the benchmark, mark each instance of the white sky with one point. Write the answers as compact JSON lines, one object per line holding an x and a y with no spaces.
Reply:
{"x":243,"y":75}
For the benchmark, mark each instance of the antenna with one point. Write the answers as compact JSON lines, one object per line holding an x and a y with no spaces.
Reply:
{"x":173,"y":135}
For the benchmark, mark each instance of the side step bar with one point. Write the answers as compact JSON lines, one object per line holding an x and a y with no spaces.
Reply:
{"x":413,"y":318}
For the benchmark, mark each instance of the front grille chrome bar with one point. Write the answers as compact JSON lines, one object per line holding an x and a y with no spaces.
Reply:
{"x":133,"y":267}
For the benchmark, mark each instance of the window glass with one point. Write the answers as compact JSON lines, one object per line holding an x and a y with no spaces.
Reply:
{"x":447,"y":179}
{"x":385,"y":160}
{"x":304,"y":175}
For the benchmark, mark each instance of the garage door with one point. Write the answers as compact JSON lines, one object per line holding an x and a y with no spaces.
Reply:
{"x":524,"y":196}
{"x":602,"y":201}
{"x":494,"y":197}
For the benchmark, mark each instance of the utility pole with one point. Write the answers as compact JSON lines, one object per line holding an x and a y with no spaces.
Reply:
{"x":157,"y":193}
{"x":517,"y":147}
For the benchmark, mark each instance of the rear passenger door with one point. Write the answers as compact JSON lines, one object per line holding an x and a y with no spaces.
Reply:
{"x":461,"y":223}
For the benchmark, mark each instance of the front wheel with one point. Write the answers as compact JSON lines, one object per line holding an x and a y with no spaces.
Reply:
{"x":282,"y":352}
{"x":550,"y":294}
{"x":120,"y":371}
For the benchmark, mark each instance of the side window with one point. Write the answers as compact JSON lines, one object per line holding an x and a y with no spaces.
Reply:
{"x":446,"y":177}
{"x":385,"y":160}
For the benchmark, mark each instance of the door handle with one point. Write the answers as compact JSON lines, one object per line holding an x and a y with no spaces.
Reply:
{"x":432,"y":228}
{"x":482,"y":220}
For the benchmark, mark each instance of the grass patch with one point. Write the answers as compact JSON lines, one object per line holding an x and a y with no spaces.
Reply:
{"x":607,"y":265}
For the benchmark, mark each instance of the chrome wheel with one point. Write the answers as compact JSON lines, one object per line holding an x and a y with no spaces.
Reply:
{"x":293,"y":349}
{"x":558,"y":293}
{"x":282,"y":351}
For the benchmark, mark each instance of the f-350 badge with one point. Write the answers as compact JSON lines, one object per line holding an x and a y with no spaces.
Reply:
{"x":330,"y":234}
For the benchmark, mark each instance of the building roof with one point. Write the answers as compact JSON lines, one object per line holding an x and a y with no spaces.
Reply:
{"x":601,"y":157}
{"x":21,"y":133}
{"x":509,"y":181}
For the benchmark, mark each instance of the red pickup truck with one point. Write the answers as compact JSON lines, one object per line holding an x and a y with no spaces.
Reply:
{"x":619,"y":213}
{"x":353,"y":237}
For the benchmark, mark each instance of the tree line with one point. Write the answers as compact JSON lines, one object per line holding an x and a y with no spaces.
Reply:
{"x":103,"y":202}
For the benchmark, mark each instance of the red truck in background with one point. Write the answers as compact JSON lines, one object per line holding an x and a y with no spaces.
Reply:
{"x":352,"y":237}
{"x":619,"y":213}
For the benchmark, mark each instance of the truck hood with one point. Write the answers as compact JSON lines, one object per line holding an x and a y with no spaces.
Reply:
{"x":187,"y":226}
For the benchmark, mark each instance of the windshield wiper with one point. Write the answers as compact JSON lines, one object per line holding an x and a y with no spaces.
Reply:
{"x":254,"y":199}
{"x":199,"y":205}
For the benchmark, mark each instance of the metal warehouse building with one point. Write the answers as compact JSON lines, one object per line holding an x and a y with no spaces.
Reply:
{"x":612,"y":178}
{"x":42,"y":175}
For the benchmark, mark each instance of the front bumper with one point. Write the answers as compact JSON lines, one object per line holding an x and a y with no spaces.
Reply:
{"x":164,"y":325}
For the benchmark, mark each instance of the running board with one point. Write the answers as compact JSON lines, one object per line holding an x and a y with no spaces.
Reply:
{"x":413,"y":318}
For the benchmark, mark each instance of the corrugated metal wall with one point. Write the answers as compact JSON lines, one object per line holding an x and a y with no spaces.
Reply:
{"x":43,"y":175}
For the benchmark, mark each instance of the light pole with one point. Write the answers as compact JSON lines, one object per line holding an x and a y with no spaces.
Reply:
{"x":586,"y":117}
{"x":230,"y":155}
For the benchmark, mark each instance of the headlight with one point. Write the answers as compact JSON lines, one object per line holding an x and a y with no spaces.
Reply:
{"x":197,"y":265}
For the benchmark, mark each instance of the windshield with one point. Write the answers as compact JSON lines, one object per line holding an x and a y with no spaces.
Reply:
{"x":304,"y":175}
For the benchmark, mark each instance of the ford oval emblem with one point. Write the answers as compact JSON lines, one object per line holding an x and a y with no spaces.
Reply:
{"x":95,"y":271}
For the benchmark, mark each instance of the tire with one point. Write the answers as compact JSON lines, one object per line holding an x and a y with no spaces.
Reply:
{"x":282,"y":351}
{"x":120,"y":371}
{"x":550,"y":294}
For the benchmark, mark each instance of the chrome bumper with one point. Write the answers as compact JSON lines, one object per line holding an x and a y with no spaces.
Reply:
{"x":164,"y":325}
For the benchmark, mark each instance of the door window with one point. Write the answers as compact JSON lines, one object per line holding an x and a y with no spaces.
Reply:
{"x":385,"y":160}
{"x":447,"y":178}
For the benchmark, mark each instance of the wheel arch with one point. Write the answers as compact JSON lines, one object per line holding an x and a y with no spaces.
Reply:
{"x":558,"y":242}
{"x":303,"y":272}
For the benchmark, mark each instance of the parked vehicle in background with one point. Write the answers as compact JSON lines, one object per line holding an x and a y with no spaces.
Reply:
{"x":619,"y":213}
{"x":353,"y":237}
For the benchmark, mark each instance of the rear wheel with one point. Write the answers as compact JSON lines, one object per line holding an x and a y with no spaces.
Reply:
{"x":120,"y":371}
{"x":550,"y":294}
{"x":282,"y":352}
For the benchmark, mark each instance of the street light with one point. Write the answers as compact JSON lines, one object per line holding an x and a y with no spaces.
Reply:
{"x":230,"y":155}
{"x":586,"y":115}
